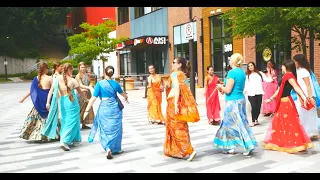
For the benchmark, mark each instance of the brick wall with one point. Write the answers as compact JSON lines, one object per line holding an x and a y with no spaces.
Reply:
{"x":178,"y":16}
{"x":249,"y":49}
{"x":122,"y":30}
{"x":316,"y":55}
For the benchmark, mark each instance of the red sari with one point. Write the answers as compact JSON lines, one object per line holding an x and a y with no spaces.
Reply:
{"x":212,"y":101}
{"x":286,"y":132}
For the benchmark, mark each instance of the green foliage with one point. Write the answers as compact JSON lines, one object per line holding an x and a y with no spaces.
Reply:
{"x":31,"y":75}
{"x":273,"y":24}
{"x":94,"y":42}
{"x":27,"y":26}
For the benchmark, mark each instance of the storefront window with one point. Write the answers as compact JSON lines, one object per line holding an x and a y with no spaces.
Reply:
{"x":221,"y":45}
{"x":125,"y":64}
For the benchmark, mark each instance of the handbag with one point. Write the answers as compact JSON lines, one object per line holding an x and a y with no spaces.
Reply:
{"x":309,"y":106}
{"x":121,"y":106}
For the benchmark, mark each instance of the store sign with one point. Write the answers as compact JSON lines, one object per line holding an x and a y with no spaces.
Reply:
{"x":129,"y":42}
{"x":120,"y":46}
{"x":138,"y":41}
{"x":157,"y":40}
{"x":267,"y":54}
{"x":227,"y":47}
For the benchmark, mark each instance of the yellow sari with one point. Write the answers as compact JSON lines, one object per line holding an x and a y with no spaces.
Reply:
{"x":177,"y":141}
{"x":154,"y":97}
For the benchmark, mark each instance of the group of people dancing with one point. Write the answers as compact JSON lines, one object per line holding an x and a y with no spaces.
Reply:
{"x":59,"y":111}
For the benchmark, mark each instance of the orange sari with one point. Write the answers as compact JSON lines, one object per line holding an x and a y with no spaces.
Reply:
{"x":177,"y":142}
{"x":154,"y":97}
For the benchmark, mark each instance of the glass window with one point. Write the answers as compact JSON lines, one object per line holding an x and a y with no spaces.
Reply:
{"x":147,"y":10}
{"x":216,"y":27}
{"x":138,"y":12}
{"x":176,"y":35}
{"x":123,"y":15}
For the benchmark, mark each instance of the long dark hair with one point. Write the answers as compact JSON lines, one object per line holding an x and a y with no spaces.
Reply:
{"x":185,"y":67}
{"x":254,"y":70}
{"x":302,"y":61}
{"x":42,"y":67}
{"x":290,"y":66}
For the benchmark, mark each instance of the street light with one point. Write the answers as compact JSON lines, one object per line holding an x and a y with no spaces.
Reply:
{"x":192,"y":61}
{"x":5,"y":62}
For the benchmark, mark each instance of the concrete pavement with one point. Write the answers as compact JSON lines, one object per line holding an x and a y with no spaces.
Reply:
{"x":142,"y":143}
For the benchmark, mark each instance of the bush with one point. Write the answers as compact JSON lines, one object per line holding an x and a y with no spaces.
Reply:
{"x":31,"y":75}
{"x":13,"y":75}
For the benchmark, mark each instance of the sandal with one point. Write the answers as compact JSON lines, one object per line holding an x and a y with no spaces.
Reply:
{"x":252,"y":124}
{"x":109,"y":156}
{"x":256,"y":122}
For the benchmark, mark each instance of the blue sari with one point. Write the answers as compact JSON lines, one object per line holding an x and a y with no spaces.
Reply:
{"x":316,"y":90}
{"x":108,"y":121}
{"x":70,"y":120}
{"x":39,"y":98}
{"x":49,"y":129}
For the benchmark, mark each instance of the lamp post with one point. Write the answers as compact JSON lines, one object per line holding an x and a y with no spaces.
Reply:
{"x":192,"y":61}
{"x":5,"y":62}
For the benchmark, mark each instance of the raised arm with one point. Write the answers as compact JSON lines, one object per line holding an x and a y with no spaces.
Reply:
{"x":24,"y":97}
{"x":297,"y":89}
{"x":50,"y":95}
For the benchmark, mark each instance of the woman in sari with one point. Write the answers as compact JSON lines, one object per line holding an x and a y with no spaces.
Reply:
{"x":270,"y":86}
{"x":84,"y":81}
{"x":154,"y":97}
{"x":52,"y":126}
{"x":69,"y":107}
{"x":38,"y":92}
{"x":234,"y":129}
{"x":286,"y":132}
{"x":108,"y":120}
{"x":212,"y":97}
{"x":309,"y":118}
{"x":181,"y":109}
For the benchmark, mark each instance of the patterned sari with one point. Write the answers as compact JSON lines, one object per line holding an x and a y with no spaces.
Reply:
{"x":38,"y":114}
{"x":212,"y":101}
{"x":70,"y":120}
{"x":89,"y":119}
{"x":51,"y":128}
{"x":154,"y":101}
{"x":269,"y":88}
{"x":286,"y":132}
{"x":177,"y":142}
{"x":108,"y":121}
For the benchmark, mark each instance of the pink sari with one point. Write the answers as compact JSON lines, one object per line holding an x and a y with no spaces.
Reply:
{"x":212,"y":101}
{"x":269,"y":89}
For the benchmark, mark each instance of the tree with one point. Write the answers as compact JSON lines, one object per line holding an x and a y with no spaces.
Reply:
{"x":27,"y":26}
{"x":93,"y":42}
{"x":273,"y":24}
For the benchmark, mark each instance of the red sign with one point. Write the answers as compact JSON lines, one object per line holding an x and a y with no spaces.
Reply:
{"x":120,"y":46}
{"x":149,"y":40}
{"x":129,"y":42}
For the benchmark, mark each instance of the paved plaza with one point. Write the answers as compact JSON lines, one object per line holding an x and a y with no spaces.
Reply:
{"x":142,"y":144}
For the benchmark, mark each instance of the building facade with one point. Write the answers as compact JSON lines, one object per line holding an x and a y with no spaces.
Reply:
{"x":147,"y":31}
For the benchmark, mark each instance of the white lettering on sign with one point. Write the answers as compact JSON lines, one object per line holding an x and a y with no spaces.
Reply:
{"x":159,"y":40}
{"x":227,"y":47}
